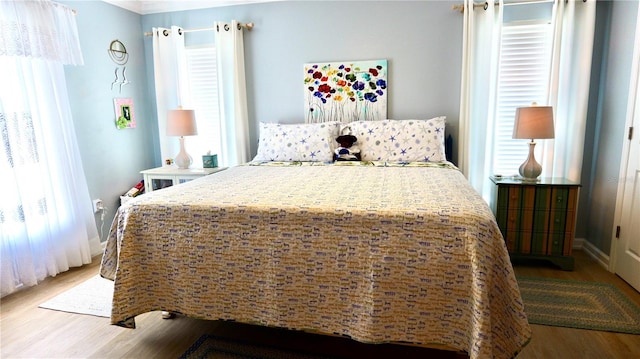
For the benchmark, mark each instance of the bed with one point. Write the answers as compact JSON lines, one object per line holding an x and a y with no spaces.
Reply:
{"x":380,"y":251}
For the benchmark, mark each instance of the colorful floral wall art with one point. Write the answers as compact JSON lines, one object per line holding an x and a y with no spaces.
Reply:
{"x":345,"y":91}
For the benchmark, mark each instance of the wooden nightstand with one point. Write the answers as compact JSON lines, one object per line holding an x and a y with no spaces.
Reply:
{"x":166,"y":176}
{"x":538,"y":219}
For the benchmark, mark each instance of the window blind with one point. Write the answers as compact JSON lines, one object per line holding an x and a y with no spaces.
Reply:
{"x":203,"y":86}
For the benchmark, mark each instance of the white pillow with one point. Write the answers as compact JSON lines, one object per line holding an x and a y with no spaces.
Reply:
{"x":306,"y":142}
{"x":401,"y":140}
{"x":370,"y":138}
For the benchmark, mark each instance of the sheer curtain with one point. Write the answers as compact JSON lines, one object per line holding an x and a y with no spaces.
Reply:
{"x":232,"y":93}
{"x":172,"y":90}
{"x":46,"y":219}
{"x":574,"y":26}
{"x":480,"y":58}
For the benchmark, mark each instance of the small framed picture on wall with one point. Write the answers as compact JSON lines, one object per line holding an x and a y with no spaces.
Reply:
{"x":124,"y":113}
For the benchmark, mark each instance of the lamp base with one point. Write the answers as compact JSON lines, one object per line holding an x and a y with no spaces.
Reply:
{"x":530,"y":169}
{"x":183,"y":160}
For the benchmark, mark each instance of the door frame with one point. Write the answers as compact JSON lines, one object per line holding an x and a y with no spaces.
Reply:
{"x":632,"y":109}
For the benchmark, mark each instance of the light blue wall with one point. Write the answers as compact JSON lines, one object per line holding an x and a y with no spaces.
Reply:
{"x":604,"y":148}
{"x":422,"y":41}
{"x":112,"y":158}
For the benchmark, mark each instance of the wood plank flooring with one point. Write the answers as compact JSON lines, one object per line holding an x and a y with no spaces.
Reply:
{"x":27,"y":331}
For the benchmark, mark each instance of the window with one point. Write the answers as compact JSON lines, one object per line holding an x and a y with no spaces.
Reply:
{"x":203,"y":86}
{"x":523,"y":78}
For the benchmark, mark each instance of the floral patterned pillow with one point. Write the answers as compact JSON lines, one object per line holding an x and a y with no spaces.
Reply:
{"x":401,"y":140}
{"x":308,"y":142}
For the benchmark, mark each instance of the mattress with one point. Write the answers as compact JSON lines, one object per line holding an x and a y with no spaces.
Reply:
{"x":379,"y":252}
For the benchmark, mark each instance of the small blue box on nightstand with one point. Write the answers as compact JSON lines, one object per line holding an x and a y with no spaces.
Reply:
{"x":209,"y":161}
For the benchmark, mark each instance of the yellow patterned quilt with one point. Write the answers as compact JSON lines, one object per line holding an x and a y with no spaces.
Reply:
{"x":375,"y":252}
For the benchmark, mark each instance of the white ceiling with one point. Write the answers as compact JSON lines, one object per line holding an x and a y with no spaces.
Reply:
{"x":145,"y":7}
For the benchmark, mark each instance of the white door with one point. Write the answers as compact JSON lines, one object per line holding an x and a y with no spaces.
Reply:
{"x":627,"y":249}
{"x":627,"y":264}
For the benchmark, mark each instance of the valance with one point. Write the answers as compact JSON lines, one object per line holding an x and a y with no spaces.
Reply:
{"x":39,"y":29}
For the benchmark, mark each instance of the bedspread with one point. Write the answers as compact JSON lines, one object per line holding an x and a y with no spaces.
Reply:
{"x":376,"y":253}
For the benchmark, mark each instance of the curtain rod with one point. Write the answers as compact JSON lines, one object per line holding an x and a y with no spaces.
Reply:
{"x":247,"y":26}
{"x":485,"y":5}
{"x":460,"y":7}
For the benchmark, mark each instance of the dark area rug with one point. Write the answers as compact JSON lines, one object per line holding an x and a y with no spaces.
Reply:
{"x":242,"y":341}
{"x":209,"y":346}
{"x":579,"y":304}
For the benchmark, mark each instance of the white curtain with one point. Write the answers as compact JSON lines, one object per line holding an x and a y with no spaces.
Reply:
{"x":46,"y":219}
{"x":480,"y":59}
{"x":574,"y":24}
{"x":171,"y":82}
{"x":232,"y":93}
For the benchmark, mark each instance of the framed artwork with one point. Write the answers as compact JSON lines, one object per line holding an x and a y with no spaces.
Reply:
{"x":345,"y":91}
{"x":124,"y":113}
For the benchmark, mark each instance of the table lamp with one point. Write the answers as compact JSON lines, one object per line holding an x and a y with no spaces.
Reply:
{"x":182,"y":123}
{"x":531,"y":123}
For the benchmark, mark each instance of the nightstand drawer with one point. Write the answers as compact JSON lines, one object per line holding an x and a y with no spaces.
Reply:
{"x":516,"y":197}
{"x":557,"y":221}
{"x":560,"y":197}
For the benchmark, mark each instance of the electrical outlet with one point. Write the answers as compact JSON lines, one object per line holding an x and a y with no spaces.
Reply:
{"x":97,"y":205}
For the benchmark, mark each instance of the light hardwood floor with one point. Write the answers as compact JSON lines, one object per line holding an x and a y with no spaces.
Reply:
{"x":27,"y":331}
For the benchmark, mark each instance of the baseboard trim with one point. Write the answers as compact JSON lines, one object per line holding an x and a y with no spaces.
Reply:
{"x":592,"y":251}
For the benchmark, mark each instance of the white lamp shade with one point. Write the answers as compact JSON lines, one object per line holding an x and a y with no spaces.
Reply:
{"x":533,"y":122}
{"x":181,"y":123}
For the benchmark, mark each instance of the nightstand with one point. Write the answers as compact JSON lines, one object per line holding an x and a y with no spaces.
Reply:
{"x":538,"y":219}
{"x":166,"y":176}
